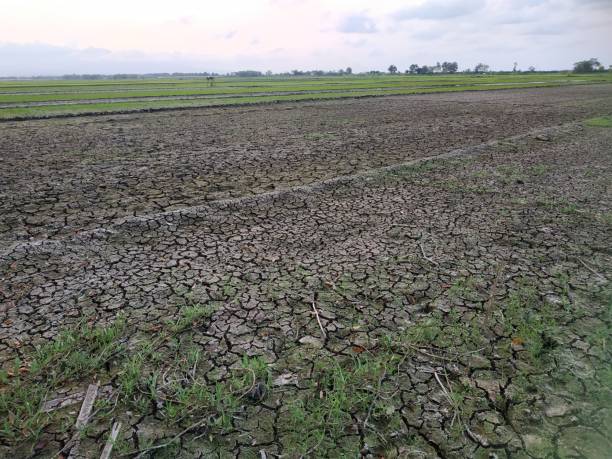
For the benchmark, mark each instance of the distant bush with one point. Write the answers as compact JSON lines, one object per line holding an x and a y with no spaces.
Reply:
{"x":588,"y":66}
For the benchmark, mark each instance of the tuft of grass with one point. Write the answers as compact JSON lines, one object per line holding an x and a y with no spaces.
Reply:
{"x":462,"y":288}
{"x":530,"y":322}
{"x":341,"y":392}
{"x":562,"y":205}
{"x":192,"y":315}
{"x":603,"y":121}
{"x":539,"y":169}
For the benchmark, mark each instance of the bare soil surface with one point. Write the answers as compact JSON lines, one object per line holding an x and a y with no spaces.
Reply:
{"x":480,"y":278}
{"x":63,"y":176}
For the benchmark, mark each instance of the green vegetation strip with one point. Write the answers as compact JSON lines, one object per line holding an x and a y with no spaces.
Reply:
{"x":152,"y":89}
{"x":151,"y":83}
{"x":135,"y":106}
{"x":604,"y":121}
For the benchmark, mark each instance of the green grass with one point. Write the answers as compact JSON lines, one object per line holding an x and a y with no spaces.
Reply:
{"x":339,"y":389}
{"x":229,"y":90}
{"x":93,"y":92}
{"x":604,"y":121}
{"x":71,"y":109}
{"x":84,"y":354}
{"x":358,"y":392}
{"x":73,"y":356}
{"x":531,"y":325}
{"x":25,"y":86}
{"x":78,"y":97}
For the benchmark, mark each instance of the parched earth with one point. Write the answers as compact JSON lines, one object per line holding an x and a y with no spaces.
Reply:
{"x":422,"y":276}
{"x":63,"y":176}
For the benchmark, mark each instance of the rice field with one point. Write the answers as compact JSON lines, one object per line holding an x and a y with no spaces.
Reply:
{"x":26,"y":99}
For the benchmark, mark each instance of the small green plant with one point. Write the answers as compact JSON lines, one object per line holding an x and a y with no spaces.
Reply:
{"x":538,"y":170}
{"x":340,"y":391}
{"x":426,"y":331}
{"x":530,"y":322}
{"x":192,"y":315}
{"x":464,"y":288}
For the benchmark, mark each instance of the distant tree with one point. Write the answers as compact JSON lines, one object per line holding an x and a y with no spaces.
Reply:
{"x":269,"y":73}
{"x":532,"y":68}
{"x":392,"y":69}
{"x":588,"y":66}
{"x":514,"y":68}
{"x":450,"y":67}
{"x":349,"y":71}
{"x":414,"y":68}
{"x":425,"y":70}
{"x":481,"y":68}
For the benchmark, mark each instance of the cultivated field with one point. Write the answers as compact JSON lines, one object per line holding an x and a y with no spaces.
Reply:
{"x":404,"y":276}
{"x":39,"y":98}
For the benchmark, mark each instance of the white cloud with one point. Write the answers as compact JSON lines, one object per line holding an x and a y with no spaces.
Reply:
{"x":440,"y":9}
{"x":357,"y":23}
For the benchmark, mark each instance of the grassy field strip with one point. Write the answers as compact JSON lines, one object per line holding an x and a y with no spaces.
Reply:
{"x":267,"y":85}
{"x":5,"y":99}
{"x":26,"y":98}
{"x":68,"y":87}
{"x":186,"y":95}
{"x":135,"y":106}
{"x":37,"y":84}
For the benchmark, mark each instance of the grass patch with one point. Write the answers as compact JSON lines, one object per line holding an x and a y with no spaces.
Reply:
{"x":561,"y":205}
{"x":75,"y":355}
{"x":529,"y":323}
{"x":340,"y":392}
{"x":91,"y":97}
{"x":603,"y":121}
{"x":148,"y":370}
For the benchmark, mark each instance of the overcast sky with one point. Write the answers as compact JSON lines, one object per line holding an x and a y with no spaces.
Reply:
{"x":51,"y":37}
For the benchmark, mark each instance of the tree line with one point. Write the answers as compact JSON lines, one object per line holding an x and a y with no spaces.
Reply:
{"x":415,"y":69}
{"x":585,"y":66}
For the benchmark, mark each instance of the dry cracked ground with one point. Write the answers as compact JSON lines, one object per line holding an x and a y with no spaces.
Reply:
{"x":411,"y":277}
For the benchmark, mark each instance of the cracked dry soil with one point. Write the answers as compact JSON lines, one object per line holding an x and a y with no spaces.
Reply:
{"x":63,"y":176}
{"x":452,"y":307}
